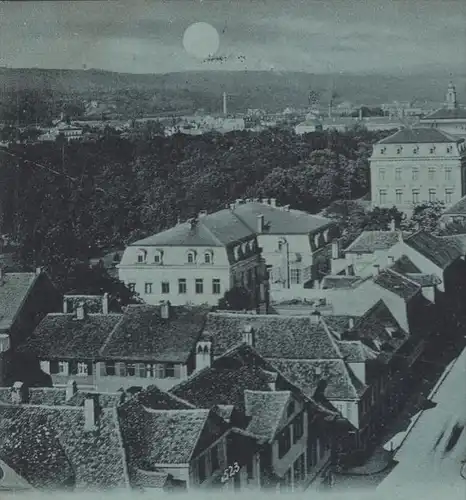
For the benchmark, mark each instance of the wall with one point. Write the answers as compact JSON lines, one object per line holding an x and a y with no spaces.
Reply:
{"x":453,"y":127}
{"x":211,"y":475}
{"x":348,"y":409}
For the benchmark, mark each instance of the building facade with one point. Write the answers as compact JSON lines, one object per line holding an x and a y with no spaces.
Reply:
{"x":418,"y":165}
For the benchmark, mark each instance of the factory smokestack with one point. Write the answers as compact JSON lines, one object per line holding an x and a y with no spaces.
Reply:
{"x":225,"y":103}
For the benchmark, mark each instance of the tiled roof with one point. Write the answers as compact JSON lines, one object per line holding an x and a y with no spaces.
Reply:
{"x":447,"y":114}
{"x":424,"y":279}
{"x":356,"y":351}
{"x":218,"y":229}
{"x":143,"y":335}
{"x":266,"y":410}
{"x":97,"y":458}
{"x":397,"y":283}
{"x":63,"y":336}
{"x":276,"y":336}
{"x":458,"y":208}
{"x":336,"y":379}
{"x":337,"y":281}
{"x":440,"y":252}
{"x":405,"y":265}
{"x":418,"y":135}
{"x":13,"y":291}
{"x":152,"y":397}
{"x":370,"y":241}
{"x":279,"y":220}
{"x":339,"y":324}
{"x":157,"y":479}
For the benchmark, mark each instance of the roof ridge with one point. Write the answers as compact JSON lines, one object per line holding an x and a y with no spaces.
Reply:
{"x":402,"y":276}
{"x":208,"y":414}
{"x":200,"y":221}
{"x":121,"y":446}
{"x":110,"y":335}
{"x":331,"y":336}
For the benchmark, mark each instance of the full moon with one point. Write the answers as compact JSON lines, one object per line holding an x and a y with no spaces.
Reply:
{"x":201,"y":40}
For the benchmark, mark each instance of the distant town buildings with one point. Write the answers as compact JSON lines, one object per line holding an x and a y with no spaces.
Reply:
{"x":417,"y":165}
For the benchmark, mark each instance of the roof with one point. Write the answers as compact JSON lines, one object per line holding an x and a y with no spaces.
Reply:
{"x":337,"y":281}
{"x":370,"y":241}
{"x":397,"y":283}
{"x":218,"y":229}
{"x":419,"y":135}
{"x":143,"y":334}
{"x":439,"y":251}
{"x":333,"y":377}
{"x":279,"y":220}
{"x":13,"y":292}
{"x":296,"y":337}
{"x":447,"y":114}
{"x":356,"y":351}
{"x":405,"y":265}
{"x":96,"y":462}
{"x":425,"y":280}
{"x":63,"y":336}
{"x":458,"y":208}
{"x":266,"y":410}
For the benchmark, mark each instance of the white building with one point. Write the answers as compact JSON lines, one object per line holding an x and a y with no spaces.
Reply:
{"x":417,"y":165}
{"x":196,"y":262}
{"x":308,"y":126}
{"x":451,"y":118}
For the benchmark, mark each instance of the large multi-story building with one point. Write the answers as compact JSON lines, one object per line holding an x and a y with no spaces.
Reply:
{"x":196,"y":262}
{"x":451,"y":118}
{"x":417,"y":165}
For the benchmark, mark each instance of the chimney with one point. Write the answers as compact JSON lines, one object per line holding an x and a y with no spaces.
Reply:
{"x":392,"y":225}
{"x":351,"y":323}
{"x":202,"y":213}
{"x":315,"y":316}
{"x":335,"y":249}
{"x":105,"y":303}
{"x":260,"y":224}
{"x":65,"y":305}
{"x":165,"y":309}
{"x":192,"y":222}
{"x":225,"y":104}
{"x":248,"y":335}
{"x":19,"y":393}
{"x":265,"y":201}
{"x":360,"y":114}
{"x":71,"y":389}
{"x":375,"y":270}
{"x":273,"y":202}
{"x":81,"y":311}
{"x":232,"y":206}
{"x":203,"y":354}
{"x":90,"y":414}
{"x":391,"y":260}
{"x":318,"y":371}
{"x":38,"y":270}
{"x":271,"y":378}
{"x":286,"y":208}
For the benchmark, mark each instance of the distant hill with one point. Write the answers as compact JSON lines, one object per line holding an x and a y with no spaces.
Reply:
{"x":246,"y":89}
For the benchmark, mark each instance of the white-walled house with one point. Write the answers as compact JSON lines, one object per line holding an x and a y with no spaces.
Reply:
{"x":196,"y":262}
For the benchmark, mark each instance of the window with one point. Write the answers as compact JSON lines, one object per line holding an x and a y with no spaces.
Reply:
{"x":191,"y":257}
{"x":216,"y":286}
{"x":415,"y":173}
{"x":159,"y":370}
{"x":132,"y":287}
{"x":284,"y":442}
{"x":399,"y":196}
{"x":295,"y":276}
{"x":82,"y":369}
{"x":62,"y":368}
{"x":110,"y":368}
{"x":431,"y":173}
{"x":181,"y":285}
{"x":158,"y":257}
{"x":207,"y":258}
{"x":165,"y":287}
{"x":432,"y":195}
{"x":201,"y":469}
{"x":199,"y":285}
{"x":447,"y":174}
{"x":382,"y":150}
{"x":415,"y":195}
{"x":416,"y":150}
{"x":382,"y":174}
{"x":298,"y":427}
{"x":398,"y":174}
{"x":448,"y":193}
{"x":432,"y":150}
{"x":214,"y":462}
{"x":131,"y":369}
{"x":169,"y":370}
{"x":399,"y":150}
{"x":53,"y":367}
{"x":383,"y":196}
{"x":149,"y":371}
{"x":142,"y":255}
{"x":148,"y":288}
{"x":449,"y":149}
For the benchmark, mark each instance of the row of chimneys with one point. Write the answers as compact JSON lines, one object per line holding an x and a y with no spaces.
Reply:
{"x":2,"y":273}
{"x":20,"y":395}
{"x":81,"y":307}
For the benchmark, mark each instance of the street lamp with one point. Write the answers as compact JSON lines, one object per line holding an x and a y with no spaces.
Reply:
{"x":283,"y":242}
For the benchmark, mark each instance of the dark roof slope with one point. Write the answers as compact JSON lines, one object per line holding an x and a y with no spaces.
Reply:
{"x":458,"y":208}
{"x":13,"y":291}
{"x":370,"y":241}
{"x":337,"y":281}
{"x":276,"y":336}
{"x":419,"y":135}
{"x":63,"y":336}
{"x":397,"y":283}
{"x":143,"y":335}
{"x":439,"y":251}
{"x":279,"y":220}
{"x":447,"y":114}
{"x":405,"y":265}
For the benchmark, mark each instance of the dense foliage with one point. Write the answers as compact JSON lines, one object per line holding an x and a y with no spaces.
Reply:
{"x":106,"y":193}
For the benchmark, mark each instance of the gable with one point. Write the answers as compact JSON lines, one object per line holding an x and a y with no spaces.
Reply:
{"x":11,"y":480}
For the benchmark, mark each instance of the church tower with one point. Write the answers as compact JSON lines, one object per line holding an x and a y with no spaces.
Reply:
{"x":451,"y":97}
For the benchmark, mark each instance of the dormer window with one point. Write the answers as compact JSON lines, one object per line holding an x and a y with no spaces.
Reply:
{"x":208,"y":257}
{"x":449,"y":149}
{"x":399,"y":150}
{"x":382,"y":151}
{"x":191,"y":257}
{"x":416,"y":150}
{"x":142,"y":256}
{"x":432,"y":150}
{"x":158,"y":257}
